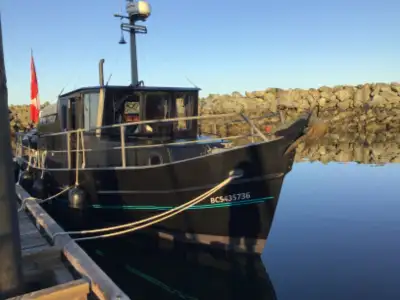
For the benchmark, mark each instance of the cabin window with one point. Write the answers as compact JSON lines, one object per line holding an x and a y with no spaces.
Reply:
{"x":91,"y":104}
{"x":63,"y":107}
{"x":47,"y":119}
{"x":157,"y":106}
{"x":183,"y":104}
{"x":48,"y":114}
{"x":132,"y":110}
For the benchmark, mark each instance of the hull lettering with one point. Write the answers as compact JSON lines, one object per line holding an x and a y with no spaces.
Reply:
{"x":230,"y":198}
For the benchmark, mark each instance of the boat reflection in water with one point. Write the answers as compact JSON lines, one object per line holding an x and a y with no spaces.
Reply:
{"x":148,"y":269}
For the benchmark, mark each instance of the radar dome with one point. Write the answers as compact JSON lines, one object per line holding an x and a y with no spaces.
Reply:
{"x":140,"y":8}
{"x":144,"y":8}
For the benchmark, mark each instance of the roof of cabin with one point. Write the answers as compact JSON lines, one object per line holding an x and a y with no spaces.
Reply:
{"x":136,"y":88}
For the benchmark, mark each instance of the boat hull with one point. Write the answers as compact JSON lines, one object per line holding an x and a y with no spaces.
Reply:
{"x":238,"y":217}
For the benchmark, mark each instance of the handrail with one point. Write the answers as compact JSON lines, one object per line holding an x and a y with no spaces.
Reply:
{"x":127,"y":124}
{"x":233,"y":137}
{"x":80,"y":148}
{"x":204,"y":117}
{"x":254,"y":127}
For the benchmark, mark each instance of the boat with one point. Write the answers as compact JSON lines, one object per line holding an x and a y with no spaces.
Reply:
{"x":131,"y":152}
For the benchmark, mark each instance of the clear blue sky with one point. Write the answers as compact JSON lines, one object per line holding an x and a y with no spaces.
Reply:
{"x":222,"y":46}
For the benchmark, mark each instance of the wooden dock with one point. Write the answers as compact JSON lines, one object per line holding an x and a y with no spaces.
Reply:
{"x":59,"y":270}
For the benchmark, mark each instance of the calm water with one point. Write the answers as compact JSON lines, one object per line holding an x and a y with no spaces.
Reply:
{"x":336,"y":235}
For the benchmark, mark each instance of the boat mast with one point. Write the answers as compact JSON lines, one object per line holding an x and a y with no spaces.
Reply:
{"x":137,"y":11}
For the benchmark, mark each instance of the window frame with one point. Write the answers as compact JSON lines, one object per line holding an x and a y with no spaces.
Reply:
{"x":90,"y":113}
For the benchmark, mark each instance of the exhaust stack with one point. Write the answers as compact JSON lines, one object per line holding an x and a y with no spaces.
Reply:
{"x":101,"y":73}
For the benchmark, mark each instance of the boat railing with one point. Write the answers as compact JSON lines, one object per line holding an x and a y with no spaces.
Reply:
{"x":37,"y":158}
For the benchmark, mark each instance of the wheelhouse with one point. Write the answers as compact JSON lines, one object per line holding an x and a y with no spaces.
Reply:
{"x":92,"y":108}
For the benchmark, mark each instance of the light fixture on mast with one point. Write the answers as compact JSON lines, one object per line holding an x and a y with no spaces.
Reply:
{"x":137,"y":11}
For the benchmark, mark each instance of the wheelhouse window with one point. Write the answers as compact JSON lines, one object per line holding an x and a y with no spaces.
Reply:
{"x":131,"y":112}
{"x":47,"y":119}
{"x":184,"y":108}
{"x":62,"y":112}
{"x":91,"y":104}
{"x":157,"y":106}
{"x":48,"y":114}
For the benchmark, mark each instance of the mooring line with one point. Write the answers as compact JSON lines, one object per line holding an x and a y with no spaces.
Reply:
{"x":40,"y":201}
{"x":151,"y":220}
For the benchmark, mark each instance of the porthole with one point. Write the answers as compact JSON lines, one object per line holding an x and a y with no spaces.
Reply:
{"x":155,"y":159}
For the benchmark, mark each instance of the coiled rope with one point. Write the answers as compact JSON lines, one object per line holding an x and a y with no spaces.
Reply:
{"x":151,"y":220}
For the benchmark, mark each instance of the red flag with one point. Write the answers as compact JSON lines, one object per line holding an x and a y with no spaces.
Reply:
{"x":35,"y":102}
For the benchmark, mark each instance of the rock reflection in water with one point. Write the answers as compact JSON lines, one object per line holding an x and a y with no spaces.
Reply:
{"x":352,"y":145}
{"x":151,"y":272}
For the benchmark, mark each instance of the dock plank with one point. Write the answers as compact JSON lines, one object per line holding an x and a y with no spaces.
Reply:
{"x":31,"y":238}
{"x":42,"y":262}
{"x":101,"y":285}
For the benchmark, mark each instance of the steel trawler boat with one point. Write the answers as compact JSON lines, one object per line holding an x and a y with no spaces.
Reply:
{"x":133,"y":151}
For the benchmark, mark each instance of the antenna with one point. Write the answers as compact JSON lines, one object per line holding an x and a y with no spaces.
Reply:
{"x":108,"y":80}
{"x":62,"y":90}
{"x":187,"y":78}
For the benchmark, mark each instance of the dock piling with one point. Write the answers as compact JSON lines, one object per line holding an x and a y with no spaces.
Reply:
{"x":11,"y":278}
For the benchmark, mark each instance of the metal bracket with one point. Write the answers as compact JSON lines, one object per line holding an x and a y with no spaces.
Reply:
{"x":136,"y":28}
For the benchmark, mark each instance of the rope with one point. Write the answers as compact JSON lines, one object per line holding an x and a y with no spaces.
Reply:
{"x":40,"y":201}
{"x":157,"y":218}
{"x":29,"y":159}
{"x":43,"y":162}
{"x":83,"y":151}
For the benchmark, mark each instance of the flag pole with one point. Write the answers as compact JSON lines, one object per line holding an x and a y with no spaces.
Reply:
{"x":11,"y":278}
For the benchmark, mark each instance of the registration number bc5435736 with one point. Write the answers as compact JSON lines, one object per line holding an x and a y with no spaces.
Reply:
{"x":230,"y":198}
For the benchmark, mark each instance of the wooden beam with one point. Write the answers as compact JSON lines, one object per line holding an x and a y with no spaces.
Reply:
{"x":73,"y":290}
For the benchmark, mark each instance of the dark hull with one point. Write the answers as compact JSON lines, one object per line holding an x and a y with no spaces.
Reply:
{"x":241,"y":222}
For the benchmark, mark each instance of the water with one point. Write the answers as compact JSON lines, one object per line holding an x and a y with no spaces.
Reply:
{"x":336,"y":235}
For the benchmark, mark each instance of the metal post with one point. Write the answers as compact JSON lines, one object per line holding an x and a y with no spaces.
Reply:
{"x":134,"y":65}
{"x":11,"y":278}
{"x":123,"y":154}
{"x":77,"y":158}
{"x":251,"y":123}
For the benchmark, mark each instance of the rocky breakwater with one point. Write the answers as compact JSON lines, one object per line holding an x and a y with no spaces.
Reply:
{"x":371,"y":107}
